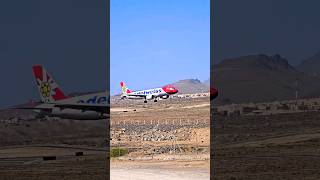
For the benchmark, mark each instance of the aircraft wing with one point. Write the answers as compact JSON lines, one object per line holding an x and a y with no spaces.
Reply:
{"x":32,"y":108}
{"x":103,"y":108}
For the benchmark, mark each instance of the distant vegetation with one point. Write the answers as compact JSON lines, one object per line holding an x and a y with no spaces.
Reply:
{"x":117,"y":152}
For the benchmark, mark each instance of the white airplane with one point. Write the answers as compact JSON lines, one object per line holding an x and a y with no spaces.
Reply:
{"x":148,"y":94}
{"x":54,"y":103}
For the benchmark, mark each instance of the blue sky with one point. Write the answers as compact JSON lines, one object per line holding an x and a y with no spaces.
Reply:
{"x":156,"y":42}
{"x":68,"y":37}
{"x":286,"y":27}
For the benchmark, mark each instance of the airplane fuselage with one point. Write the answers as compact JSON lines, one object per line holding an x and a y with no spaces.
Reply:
{"x":150,"y":93}
{"x":71,"y":114}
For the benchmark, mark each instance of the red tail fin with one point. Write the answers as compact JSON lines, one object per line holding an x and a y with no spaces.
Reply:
{"x":124,"y":88}
{"x":48,"y":88}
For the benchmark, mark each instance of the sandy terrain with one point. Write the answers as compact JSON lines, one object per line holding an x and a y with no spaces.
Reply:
{"x":21,"y":162}
{"x":279,"y":146}
{"x":166,"y":140}
{"x":25,"y":143}
{"x":182,"y":145}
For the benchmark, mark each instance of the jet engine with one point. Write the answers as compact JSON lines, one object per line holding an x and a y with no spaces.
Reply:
{"x":165,"y":97}
{"x":77,"y":114}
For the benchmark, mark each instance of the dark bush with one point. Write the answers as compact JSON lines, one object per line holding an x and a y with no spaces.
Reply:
{"x":117,"y":152}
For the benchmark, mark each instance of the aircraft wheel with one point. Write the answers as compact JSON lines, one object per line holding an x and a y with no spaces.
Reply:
{"x":145,"y":101}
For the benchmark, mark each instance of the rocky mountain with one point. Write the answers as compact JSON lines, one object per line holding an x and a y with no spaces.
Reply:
{"x":207,"y":82}
{"x":259,"y":78}
{"x":311,"y":65}
{"x":188,"y":86}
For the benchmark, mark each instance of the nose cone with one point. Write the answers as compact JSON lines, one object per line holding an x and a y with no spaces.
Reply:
{"x":170,"y":89}
{"x":213,"y":93}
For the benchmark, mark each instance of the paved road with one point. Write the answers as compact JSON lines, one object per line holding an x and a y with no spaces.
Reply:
{"x":158,"y":174}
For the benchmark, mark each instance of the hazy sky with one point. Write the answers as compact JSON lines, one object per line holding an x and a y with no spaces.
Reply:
{"x":66,"y":36}
{"x":289,"y":28}
{"x":152,"y":42}
{"x":158,"y":42}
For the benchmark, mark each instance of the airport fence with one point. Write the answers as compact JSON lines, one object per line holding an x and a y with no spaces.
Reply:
{"x":169,"y":122}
